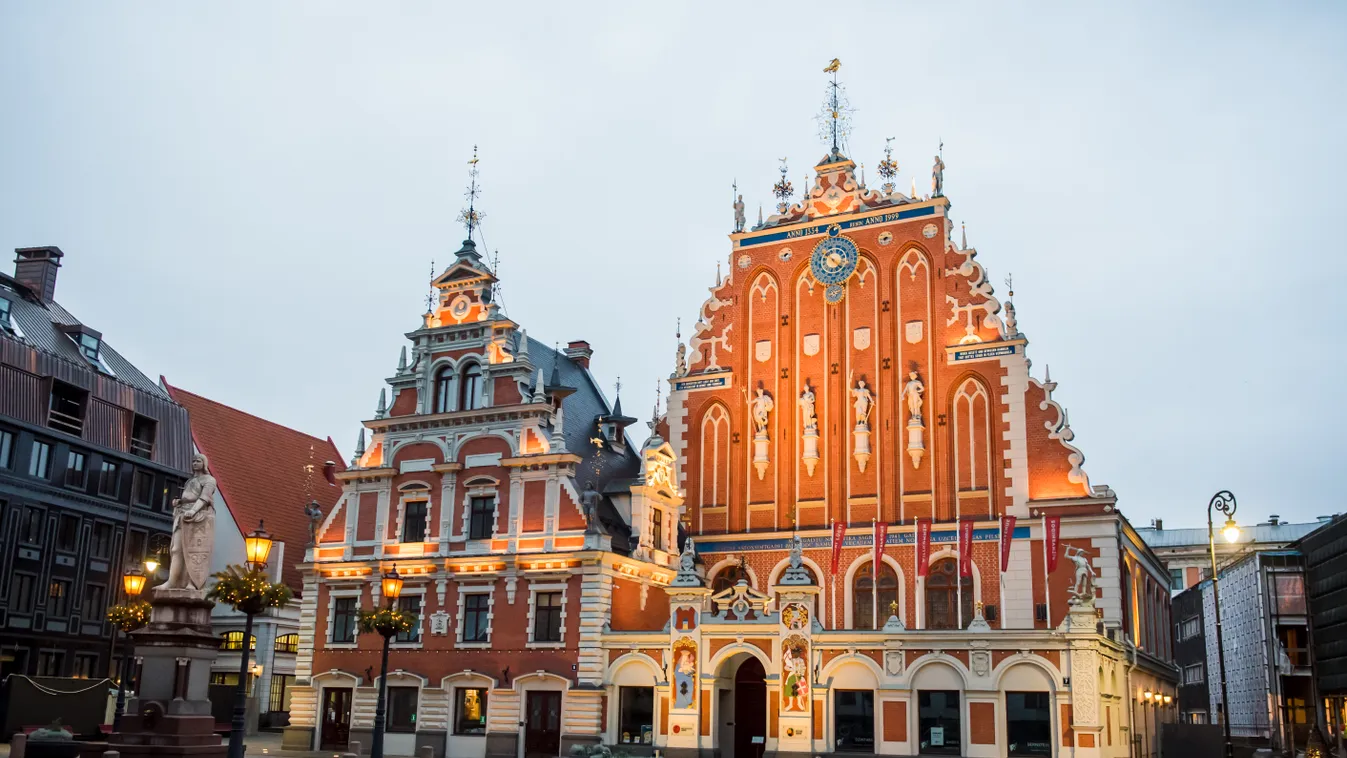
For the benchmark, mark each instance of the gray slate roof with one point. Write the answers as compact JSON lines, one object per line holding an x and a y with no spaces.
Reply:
{"x":41,"y":324}
{"x":1257,"y":533}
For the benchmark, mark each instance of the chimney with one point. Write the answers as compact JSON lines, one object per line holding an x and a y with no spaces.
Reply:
{"x":580,"y":352}
{"x":1274,"y":519}
{"x":35,"y":268}
{"x":1159,"y":524}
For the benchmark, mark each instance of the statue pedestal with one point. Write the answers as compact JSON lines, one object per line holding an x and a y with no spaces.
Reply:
{"x":171,"y":714}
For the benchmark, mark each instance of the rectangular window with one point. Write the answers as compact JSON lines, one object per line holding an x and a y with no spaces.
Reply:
{"x":75,"y":475}
{"x":1176,"y":579}
{"x":635,"y":715}
{"x":476,"y":618}
{"x":657,"y":528}
{"x":343,"y":619}
{"x":85,"y":665}
{"x":547,"y":617}
{"x":1192,"y":674}
{"x":1190,"y":628}
{"x":410,"y":604}
{"x":107,"y":479}
{"x":402,"y":708}
{"x":135,"y":546}
{"x":67,"y":533}
{"x":1041,"y":611}
{"x":142,"y":436}
{"x":470,"y":711}
{"x":58,"y":598}
{"x":39,"y":463}
{"x":50,"y":662}
{"x":281,"y":684}
{"x":234,"y":641}
{"x":89,"y":345}
{"x":66,"y":411}
{"x":287,"y":643}
{"x":101,"y":545}
{"x":1028,"y":723}
{"x":223,"y":677}
{"x":854,"y":720}
{"x":1295,"y":641}
{"x":22,"y":589}
{"x":414,"y":521}
{"x":481,"y":515}
{"x":1290,"y":594}
{"x":91,"y":603}
{"x":6,"y":449}
{"x":32,"y":526}
{"x":142,"y":489}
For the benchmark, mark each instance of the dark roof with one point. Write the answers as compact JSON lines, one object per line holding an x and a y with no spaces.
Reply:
{"x":42,"y":324}
{"x":259,"y":467}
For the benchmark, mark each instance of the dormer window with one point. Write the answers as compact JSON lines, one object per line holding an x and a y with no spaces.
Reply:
{"x":7,"y":324}
{"x":90,"y":344}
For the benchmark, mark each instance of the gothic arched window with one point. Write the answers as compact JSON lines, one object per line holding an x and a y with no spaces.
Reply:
{"x":863,"y":596}
{"x":444,"y":383}
{"x":470,"y":396}
{"x":728,"y":577}
{"x":943,"y":585}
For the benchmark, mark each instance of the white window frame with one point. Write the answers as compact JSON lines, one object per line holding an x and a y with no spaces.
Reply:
{"x":332,"y":596}
{"x":420,"y":622}
{"x":478,"y":487}
{"x":409,"y":492}
{"x":476,"y":589}
{"x":534,"y":589}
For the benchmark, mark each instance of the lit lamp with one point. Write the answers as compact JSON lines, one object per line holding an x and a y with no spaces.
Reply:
{"x":256,"y":548}
{"x":151,"y":564}
{"x":391,"y":584}
{"x":1223,"y":501}
{"x":1168,"y":699}
{"x":257,"y":669}
{"x":133,"y":582}
{"x":1230,"y":531}
{"x":1150,"y":696}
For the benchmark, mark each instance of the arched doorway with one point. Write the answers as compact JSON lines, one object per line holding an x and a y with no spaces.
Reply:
{"x":946,"y":593}
{"x":750,"y":709}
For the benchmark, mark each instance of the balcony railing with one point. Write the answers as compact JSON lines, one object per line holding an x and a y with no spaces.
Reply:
{"x":65,"y":422}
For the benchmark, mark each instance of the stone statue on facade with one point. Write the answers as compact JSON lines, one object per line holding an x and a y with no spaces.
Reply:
{"x":1083,"y":589}
{"x":739,"y":219}
{"x":807,"y":409}
{"x":589,"y":503}
{"x":912,"y":394}
{"x":681,"y":361}
{"x":193,"y":530}
{"x":938,"y":178}
{"x":863,"y":401}
{"x":687,"y":561}
{"x":315,"y":514}
{"x":762,"y":405}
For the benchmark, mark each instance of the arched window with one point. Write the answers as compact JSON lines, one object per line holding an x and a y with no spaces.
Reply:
{"x":444,"y":392}
{"x":943,"y":585}
{"x":863,"y":597}
{"x":470,"y":396}
{"x":234,"y":641}
{"x":287,"y":643}
{"x":728,"y":577}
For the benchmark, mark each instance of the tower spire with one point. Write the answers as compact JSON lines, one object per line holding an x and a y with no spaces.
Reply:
{"x":470,"y":217}
{"x":834,"y":105}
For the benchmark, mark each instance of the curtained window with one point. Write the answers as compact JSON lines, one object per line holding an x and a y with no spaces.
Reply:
{"x":943,"y":594}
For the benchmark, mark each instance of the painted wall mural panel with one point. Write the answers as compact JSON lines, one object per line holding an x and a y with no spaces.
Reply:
{"x":795,"y":668}
{"x":685,"y":673}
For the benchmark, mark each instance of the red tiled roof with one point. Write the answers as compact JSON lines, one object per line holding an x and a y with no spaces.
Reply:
{"x":259,"y":466}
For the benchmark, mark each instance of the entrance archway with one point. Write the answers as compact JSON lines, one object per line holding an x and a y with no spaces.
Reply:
{"x":750,"y":709}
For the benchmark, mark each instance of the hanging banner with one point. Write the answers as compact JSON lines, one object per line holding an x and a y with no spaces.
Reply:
{"x":1007,"y":534}
{"x":923,"y":545}
{"x":966,"y":547}
{"x":881,"y":537}
{"x":1052,"y":539}
{"x":839,"y":533}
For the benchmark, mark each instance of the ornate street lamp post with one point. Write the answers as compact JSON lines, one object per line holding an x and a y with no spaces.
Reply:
{"x":133,"y":582}
{"x":387,"y":628}
{"x":257,"y":546}
{"x":1223,"y":501}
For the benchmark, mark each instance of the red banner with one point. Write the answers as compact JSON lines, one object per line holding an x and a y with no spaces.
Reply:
{"x":923,"y":545}
{"x":1007,"y":535}
{"x":839,"y":533}
{"x":1052,"y":539}
{"x":881,"y":537}
{"x":966,"y":547}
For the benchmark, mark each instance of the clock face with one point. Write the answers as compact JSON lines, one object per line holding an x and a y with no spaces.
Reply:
{"x":834,"y":259}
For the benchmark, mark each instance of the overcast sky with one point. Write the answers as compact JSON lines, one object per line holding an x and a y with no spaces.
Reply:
{"x":250,"y":195}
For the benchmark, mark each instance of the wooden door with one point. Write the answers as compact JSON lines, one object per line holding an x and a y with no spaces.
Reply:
{"x":750,"y":710}
{"x":542,"y":725}
{"x":336,"y":730}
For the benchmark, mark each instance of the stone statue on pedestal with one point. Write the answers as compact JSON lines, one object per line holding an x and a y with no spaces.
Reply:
{"x":315,"y":514}
{"x":193,"y":531}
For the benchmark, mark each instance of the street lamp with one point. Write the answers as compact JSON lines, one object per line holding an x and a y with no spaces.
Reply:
{"x":257,"y":546}
{"x":392,"y":589}
{"x":151,"y":564}
{"x":1223,"y":501}
{"x":133,"y":582}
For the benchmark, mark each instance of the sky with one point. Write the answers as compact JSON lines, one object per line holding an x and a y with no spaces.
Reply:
{"x":250,"y":195}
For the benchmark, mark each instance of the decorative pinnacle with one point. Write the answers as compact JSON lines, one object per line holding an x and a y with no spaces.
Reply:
{"x":888,"y":168}
{"x":470,"y":217}
{"x":783,"y":189}
{"x":430,"y":296}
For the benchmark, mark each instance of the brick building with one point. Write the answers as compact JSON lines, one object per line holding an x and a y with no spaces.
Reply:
{"x":853,"y":375}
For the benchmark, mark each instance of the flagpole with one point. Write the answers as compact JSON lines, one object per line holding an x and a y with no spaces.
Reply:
{"x":874,"y":574}
{"x":1001,"y":567}
{"x":1047,"y":591}
{"x":958,"y":571}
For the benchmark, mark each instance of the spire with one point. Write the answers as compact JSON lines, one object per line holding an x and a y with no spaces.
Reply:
{"x":359,"y":449}
{"x":616,"y":416}
{"x":382,"y":409}
{"x":835,"y":119}
{"x":558,"y":439}
{"x":470,"y":217}
{"x":914,"y":189}
{"x":523,"y":351}
{"x":963,"y":234}
{"x":759,"y":214}
{"x":540,"y":388}
{"x":555,"y":388}
{"x":402,"y":360}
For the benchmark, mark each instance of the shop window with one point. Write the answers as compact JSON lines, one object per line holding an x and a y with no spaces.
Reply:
{"x":476,"y":618}
{"x":230,"y":678}
{"x":469,"y":711}
{"x":870,"y":609}
{"x":414,"y":521}
{"x":343,"y":619}
{"x":402,"y":702}
{"x":481,"y":517}
{"x":939,"y":724}
{"x":854,"y":720}
{"x":947,"y":595}
{"x":281,"y":685}
{"x":75,"y":475}
{"x":547,"y":617}
{"x":635,"y":715}
{"x":1028,"y":723}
